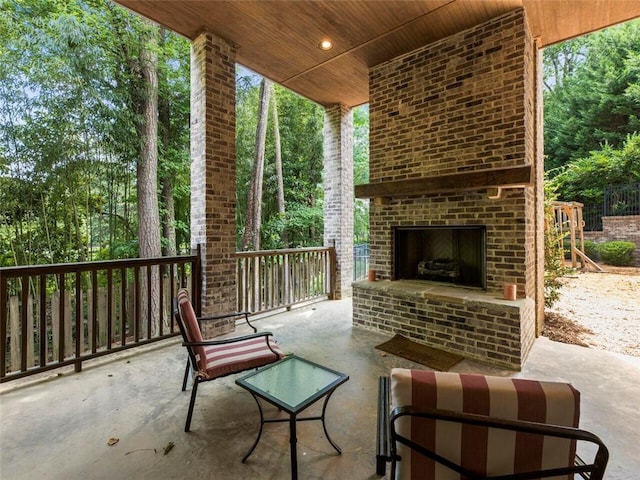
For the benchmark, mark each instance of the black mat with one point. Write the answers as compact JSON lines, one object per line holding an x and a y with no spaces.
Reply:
{"x":422,"y":354}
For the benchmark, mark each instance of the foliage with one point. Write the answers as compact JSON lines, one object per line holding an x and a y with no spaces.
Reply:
{"x":617,"y":253}
{"x":585,"y":179}
{"x":592,"y":93}
{"x":591,"y":250}
{"x":301,"y":123}
{"x":554,"y":268}
{"x":70,"y":73}
{"x":361,"y":172}
{"x":67,"y":130}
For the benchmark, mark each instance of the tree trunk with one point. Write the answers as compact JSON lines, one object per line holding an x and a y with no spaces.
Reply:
{"x":251,"y":239}
{"x":279,"y":176}
{"x":147,"y":185}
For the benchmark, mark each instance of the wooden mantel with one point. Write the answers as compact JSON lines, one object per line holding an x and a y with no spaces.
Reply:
{"x":511,"y":177}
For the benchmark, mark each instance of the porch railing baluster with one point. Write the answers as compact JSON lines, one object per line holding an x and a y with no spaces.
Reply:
{"x":3,"y":326}
{"x":53,"y":316}
{"x":123,"y":306}
{"x":267,"y":280}
{"x":79,"y":333}
{"x":93,"y":338}
{"x":110,"y":309}
{"x":61,"y":318}
{"x":44,"y":339}
{"x":24,"y":323}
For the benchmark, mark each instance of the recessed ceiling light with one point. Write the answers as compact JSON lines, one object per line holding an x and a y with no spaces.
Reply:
{"x":325,"y":45}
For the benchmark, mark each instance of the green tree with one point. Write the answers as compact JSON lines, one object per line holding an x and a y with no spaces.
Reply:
{"x":300,"y":127}
{"x":585,"y":179}
{"x":49,"y":98}
{"x":69,"y":146}
{"x":592,"y":93}
{"x":173,"y":141}
{"x":361,"y":172}
{"x":251,"y":238}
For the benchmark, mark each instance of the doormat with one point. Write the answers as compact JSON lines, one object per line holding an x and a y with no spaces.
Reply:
{"x":416,"y":352}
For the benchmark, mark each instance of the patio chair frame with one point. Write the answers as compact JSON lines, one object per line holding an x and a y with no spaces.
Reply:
{"x":200,"y":376}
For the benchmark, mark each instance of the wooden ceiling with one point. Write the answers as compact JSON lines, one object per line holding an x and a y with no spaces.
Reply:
{"x":279,"y":38}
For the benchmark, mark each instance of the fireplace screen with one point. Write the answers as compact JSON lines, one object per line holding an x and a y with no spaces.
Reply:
{"x":454,"y":255}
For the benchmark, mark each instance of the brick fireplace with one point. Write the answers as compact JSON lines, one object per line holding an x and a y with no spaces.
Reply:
{"x":453,"y":150}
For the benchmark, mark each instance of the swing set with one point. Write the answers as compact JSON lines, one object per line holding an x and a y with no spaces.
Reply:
{"x":568,"y":219}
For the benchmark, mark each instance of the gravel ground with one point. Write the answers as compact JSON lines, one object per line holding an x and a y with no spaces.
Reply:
{"x":599,"y":310}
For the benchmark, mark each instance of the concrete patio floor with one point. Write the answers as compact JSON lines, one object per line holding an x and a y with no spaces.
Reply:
{"x":59,"y":428}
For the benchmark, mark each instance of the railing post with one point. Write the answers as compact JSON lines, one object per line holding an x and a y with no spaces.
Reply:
{"x":3,"y":325}
{"x":287,"y":280}
{"x":333,"y":270}
{"x":196,"y":281}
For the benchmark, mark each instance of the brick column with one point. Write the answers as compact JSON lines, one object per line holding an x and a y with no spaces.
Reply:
{"x":338,"y":192}
{"x":213,"y":172}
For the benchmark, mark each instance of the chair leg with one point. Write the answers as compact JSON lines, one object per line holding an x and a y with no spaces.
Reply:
{"x":192,"y":403}
{"x":186,"y":375}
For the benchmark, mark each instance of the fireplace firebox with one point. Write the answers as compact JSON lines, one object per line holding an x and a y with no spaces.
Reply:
{"x":453,"y":254}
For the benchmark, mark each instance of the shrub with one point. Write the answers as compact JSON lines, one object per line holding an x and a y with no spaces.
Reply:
{"x":617,"y":253}
{"x":592,"y":250}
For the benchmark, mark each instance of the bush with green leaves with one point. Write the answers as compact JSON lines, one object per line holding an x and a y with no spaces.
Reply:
{"x":618,"y":253}
{"x":591,"y":250}
{"x":584,"y":180}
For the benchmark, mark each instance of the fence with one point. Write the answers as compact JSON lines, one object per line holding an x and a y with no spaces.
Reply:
{"x":360,"y":261}
{"x":267,"y":280}
{"x":57,"y":315}
{"x":618,"y":200}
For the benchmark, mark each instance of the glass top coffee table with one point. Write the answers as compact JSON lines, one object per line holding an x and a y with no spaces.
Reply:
{"x":292,"y":384}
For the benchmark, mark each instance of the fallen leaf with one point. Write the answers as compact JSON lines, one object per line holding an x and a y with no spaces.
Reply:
{"x":112,"y":441}
{"x":168,"y":448}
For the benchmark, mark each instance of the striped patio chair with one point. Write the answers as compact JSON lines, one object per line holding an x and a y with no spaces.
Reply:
{"x":211,"y":359}
{"x":446,"y":426}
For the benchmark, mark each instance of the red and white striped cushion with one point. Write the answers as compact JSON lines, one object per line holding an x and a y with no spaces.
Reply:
{"x":218,"y":360}
{"x":238,"y":356}
{"x":485,"y":451}
{"x":190,"y":322}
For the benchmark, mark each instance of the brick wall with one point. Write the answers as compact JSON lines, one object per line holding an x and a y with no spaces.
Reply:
{"x":338,"y":193}
{"x":456,"y":105}
{"x":624,"y":228}
{"x":461,"y":104}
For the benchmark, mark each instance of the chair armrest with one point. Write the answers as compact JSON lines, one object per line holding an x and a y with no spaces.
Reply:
{"x":229,"y":315}
{"x":228,"y":341}
{"x":594,"y":470}
{"x":383,"y":434}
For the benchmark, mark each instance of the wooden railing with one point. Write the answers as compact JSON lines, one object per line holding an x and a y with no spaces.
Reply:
{"x":57,"y":315}
{"x":267,"y":280}
{"x":53,"y":316}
